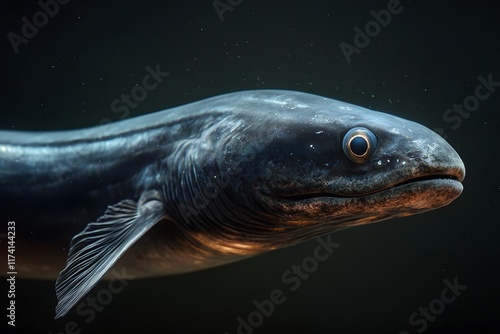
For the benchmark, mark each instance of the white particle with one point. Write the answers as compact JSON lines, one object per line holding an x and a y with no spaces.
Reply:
{"x":379,"y":162}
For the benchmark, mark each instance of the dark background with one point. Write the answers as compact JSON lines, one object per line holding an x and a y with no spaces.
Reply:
{"x":424,"y":61}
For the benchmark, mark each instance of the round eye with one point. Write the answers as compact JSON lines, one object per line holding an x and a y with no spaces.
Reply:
{"x":359,"y":144}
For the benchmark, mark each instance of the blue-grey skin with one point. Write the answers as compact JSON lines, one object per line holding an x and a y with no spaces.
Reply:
{"x":209,"y":183}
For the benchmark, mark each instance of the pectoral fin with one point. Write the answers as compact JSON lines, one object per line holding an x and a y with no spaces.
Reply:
{"x":94,"y":251}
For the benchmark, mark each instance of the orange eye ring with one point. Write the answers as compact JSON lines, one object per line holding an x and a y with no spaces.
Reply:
{"x":359,"y":144}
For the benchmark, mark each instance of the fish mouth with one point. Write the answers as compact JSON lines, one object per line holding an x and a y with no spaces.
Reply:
{"x":452,"y":181}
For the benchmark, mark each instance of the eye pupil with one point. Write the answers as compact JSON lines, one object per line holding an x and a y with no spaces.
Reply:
{"x":359,"y":146}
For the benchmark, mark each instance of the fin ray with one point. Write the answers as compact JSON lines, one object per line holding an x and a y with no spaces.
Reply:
{"x":97,"y":248}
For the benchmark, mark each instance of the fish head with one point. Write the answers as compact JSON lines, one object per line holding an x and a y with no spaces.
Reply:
{"x":295,"y":165}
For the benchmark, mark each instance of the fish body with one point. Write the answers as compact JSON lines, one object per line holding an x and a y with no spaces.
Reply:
{"x":211,"y":182}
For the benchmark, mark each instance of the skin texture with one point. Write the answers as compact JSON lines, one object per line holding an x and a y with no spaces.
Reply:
{"x":237,"y":175}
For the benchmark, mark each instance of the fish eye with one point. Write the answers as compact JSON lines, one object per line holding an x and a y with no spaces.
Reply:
{"x":359,"y":144}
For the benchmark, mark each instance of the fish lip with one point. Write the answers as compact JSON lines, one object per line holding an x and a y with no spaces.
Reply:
{"x":422,"y":178}
{"x":455,"y":178}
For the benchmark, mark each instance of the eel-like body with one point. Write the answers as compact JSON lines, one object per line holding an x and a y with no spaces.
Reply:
{"x":211,"y":182}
